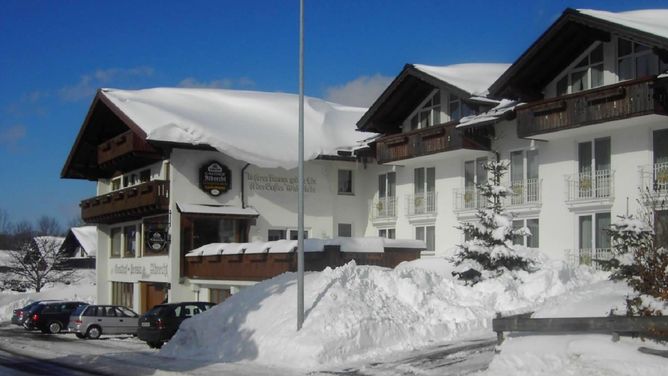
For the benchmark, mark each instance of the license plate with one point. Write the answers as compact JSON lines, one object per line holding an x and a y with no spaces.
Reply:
{"x":146,"y":324}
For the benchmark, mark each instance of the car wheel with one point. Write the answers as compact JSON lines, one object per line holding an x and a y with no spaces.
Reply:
{"x":79,"y":335}
{"x":54,"y":327}
{"x":154,"y":345}
{"x":94,"y":332}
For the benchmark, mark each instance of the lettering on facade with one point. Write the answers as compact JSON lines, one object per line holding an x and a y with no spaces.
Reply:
{"x":272,"y":183}
{"x":141,"y":270}
{"x":215,"y":178}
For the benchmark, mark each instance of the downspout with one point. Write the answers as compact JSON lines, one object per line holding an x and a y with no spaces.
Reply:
{"x":243,"y":196}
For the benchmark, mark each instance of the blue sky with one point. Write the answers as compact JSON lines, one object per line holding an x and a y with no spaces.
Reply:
{"x":55,"y":54}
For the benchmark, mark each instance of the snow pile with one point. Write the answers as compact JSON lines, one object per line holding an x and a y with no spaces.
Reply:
{"x":82,"y":287}
{"x":474,"y":78}
{"x":587,"y":354}
{"x":495,"y":114}
{"x":235,"y":122}
{"x":652,"y":21}
{"x":359,"y":312}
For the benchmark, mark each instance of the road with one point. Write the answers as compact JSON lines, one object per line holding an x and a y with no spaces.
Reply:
{"x":32,"y":353}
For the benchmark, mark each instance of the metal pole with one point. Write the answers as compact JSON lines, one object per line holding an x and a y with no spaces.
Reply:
{"x":300,"y":197}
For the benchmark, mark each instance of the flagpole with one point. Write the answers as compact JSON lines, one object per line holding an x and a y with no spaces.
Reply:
{"x":300,"y":196}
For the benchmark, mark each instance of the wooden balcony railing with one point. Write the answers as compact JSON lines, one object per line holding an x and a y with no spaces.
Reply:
{"x":614,"y":102}
{"x":257,"y":267}
{"x":112,"y":152}
{"x":127,"y":204}
{"x":436,"y":139}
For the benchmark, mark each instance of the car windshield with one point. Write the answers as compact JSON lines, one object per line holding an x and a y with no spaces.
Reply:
{"x":79,"y":310}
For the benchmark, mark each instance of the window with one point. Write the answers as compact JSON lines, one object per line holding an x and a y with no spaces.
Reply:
{"x":428,"y":235}
{"x":345,"y":230}
{"x":475,"y":174}
{"x":294,"y":234}
{"x":345,"y":182}
{"x":115,"y":242}
{"x":524,"y":176}
{"x":594,"y":168}
{"x":145,"y":176}
{"x":121,"y":293}
{"x":660,"y":139}
{"x":429,"y":113}
{"x":388,"y":233}
{"x":116,"y":183}
{"x":387,"y":185}
{"x":219,"y":295}
{"x":273,"y":235}
{"x":586,"y":74}
{"x":199,"y":230}
{"x":528,"y":241}
{"x":424,"y":186}
{"x":593,"y":231}
{"x":130,"y":234}
{"x":635,"y":60}
{"x":457,"y":108}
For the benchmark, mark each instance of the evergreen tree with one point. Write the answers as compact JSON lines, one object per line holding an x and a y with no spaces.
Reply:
{"x":490,"y":250}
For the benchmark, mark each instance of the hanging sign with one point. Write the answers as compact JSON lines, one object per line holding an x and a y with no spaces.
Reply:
{"x":214,"y":178}
{"x":156,"y":239}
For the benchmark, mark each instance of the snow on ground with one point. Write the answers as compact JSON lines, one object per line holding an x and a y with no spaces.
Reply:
{"x":588,"y":354}
{"x":361,"y":312}
{"x":82,"y":287}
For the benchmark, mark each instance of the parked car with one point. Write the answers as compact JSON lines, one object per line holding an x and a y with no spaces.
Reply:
{"x":20,"y":315}
{"x":51,"y":317}
{"x":161,"y":322}
{"x":94,"y":320}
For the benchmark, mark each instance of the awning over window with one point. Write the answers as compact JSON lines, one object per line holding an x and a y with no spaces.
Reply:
{"x":217,"y":210}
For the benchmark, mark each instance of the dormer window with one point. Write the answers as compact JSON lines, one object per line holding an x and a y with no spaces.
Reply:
{"x":635,"y":60}
{"x":585,"y":75}
{"x":429,"y":113}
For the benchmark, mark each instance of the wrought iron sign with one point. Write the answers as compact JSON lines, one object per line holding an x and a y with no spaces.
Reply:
{"x":156,"y":239}
{"x":215,"y":178}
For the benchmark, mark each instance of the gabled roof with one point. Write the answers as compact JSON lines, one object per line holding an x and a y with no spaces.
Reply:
{"x":86,"y":236}
{"x":416,"y":81}
{"x":568,"y":37}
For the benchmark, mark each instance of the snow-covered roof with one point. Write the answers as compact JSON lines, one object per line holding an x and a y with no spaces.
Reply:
{"x":358,"y":244}
{"x":256,"y":127}
{"x":48,"y":241}
{"x":474,"y":78}
{"x":490,"y":116}
{"x":87,"y":238}
{"x":652,"y":21}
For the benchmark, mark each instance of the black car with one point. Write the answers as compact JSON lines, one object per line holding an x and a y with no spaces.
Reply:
{"x":160,"y":323}
{"x":20,"y":315}
{"x":51,"y":317}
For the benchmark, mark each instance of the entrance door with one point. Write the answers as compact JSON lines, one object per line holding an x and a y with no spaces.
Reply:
{"x":152,"y":294}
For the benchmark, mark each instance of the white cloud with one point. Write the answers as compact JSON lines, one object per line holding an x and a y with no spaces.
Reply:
{"x":223,"y":83}
{"x":361,"y":91}
{"x":89,"y":83}
{"x":10,"y":136}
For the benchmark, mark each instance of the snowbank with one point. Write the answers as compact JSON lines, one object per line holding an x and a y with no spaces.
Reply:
{"x":358,"y":312}
{"x":235,"y":122}
{"x":589,"y":354}
{"x":82,"y":288}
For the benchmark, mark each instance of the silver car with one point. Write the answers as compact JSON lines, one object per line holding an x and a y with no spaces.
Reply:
{"x":92,"y":321}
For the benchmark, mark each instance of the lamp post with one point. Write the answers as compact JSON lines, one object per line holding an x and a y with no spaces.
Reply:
{"x":300,"y":195}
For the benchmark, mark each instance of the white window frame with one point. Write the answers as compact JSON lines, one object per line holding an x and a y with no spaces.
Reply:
{"x":429,"y":110}
{"x":572,"y":69}
{"x":526,"y":239}
{"x":425,"y":232}
{"x":352,"y":182}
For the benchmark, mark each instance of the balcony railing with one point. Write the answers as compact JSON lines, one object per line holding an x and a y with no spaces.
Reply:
{"x":525,"y":192}
{"x":588,"y":256}
{"x":127,"y":204}
{"x":590,"y":186}
{"x":384,"y":208}
{"x":436,"y":139}
{"x":654,"y":177}
{"x":113,"y":152}
{"x":624,"y":100}
{"x":421,"y":203}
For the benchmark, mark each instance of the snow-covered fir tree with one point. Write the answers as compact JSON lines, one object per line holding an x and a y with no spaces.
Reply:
{"x":489,"y":250}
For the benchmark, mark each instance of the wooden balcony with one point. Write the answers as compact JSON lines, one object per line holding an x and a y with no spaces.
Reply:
{"x":125,"y":152}
{"x":257,"y":267}
{"x":614,"y":102}
{"x":420,"y":142}
{"x":127,"y":204}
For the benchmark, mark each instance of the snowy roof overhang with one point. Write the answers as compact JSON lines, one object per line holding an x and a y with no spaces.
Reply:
{"x":568,"y":37}
{"x":240,"y":124}
{"x":416,"y":81}
{"x":84,"y":236}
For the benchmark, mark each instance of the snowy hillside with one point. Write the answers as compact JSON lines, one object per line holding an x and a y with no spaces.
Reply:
{"x":359,"y":312}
